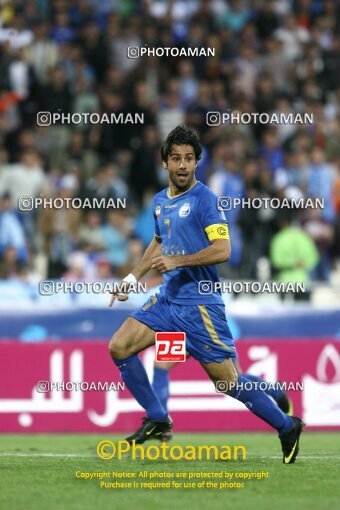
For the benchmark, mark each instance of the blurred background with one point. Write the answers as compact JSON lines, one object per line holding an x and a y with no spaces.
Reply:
{"x":273,"y":56}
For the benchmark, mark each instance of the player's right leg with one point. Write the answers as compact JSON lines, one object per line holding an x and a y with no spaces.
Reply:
{"x":127,"y":342}
{"x":131,"y":338}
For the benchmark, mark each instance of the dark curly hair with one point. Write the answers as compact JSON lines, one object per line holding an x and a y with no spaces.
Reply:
{"x":181,"y":135}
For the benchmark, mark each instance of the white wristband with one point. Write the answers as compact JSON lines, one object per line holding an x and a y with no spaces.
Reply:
{"x":130,"y":278}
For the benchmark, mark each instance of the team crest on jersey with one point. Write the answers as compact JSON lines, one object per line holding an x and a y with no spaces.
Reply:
{"x":158,"y":211}
{"x":184,"y":210}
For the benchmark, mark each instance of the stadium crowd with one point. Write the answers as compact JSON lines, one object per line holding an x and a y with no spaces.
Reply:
{"x":70,"y":56}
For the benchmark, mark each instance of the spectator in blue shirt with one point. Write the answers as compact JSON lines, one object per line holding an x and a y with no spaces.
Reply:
{"x":11,"y":230}
{"x":320,"y":182}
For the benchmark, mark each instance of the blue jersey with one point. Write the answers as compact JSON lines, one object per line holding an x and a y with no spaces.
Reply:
{"x":186,"y":224}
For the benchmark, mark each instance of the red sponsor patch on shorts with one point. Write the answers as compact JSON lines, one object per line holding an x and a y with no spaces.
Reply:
{"x":170,"y":346}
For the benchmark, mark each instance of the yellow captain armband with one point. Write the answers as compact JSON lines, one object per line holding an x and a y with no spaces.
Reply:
{"x":217,"y":231}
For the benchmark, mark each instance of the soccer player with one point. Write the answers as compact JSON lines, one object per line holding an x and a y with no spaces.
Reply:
{"x":191,"y":237}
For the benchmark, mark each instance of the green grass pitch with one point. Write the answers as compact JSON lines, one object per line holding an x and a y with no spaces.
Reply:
{"x":38,"y":472}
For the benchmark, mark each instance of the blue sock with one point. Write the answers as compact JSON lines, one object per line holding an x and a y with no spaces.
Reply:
{"x":135,"y":377}
{"x":275,"y":393}
{"x":261,"y":405}
{"x":160,"y":385}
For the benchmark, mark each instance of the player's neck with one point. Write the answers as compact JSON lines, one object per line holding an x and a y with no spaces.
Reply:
{"x":173,"y":191}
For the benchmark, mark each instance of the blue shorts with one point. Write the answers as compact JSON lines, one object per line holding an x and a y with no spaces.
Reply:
{"x":208,"y":337}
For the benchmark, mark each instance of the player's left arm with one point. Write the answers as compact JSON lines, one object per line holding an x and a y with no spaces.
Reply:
{"x":214,"y":224}
{"x":218,"y":251}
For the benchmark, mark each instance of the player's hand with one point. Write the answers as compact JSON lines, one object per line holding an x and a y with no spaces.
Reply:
{"x":164,"y":264}
{"x":119,"y":292}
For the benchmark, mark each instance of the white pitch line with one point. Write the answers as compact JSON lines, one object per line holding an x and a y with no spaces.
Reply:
{"x":77,"y":456}
{"x":306,"y":457}
{"x":72,"y":455}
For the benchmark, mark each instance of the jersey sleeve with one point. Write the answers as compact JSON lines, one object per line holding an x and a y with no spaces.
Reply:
{"x":211,"y":218}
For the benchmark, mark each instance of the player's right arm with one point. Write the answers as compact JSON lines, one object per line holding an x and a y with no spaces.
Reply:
{"x":153,"y":250}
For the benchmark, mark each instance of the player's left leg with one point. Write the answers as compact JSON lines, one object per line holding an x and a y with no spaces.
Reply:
{"x":161,"y":383}
{"x":255,"y":399}
{"x":209,"y":341}
{"x":260,"y":404}
{"x":273,"y":390}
